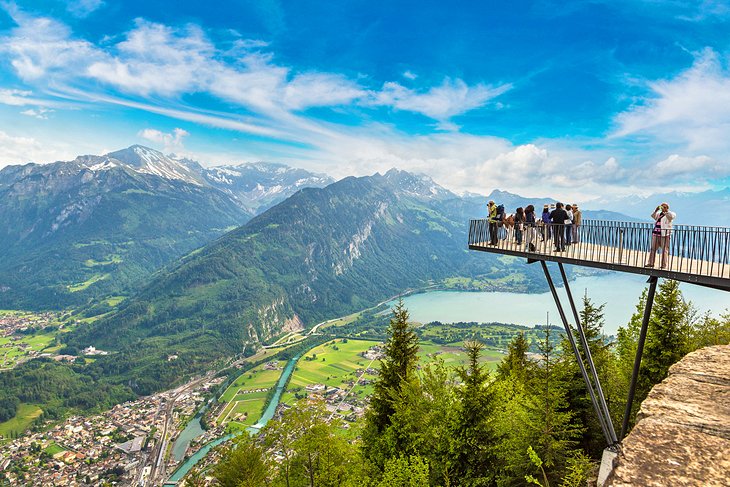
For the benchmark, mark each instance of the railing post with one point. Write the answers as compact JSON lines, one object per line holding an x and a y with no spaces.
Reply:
{"x":620,"y":244}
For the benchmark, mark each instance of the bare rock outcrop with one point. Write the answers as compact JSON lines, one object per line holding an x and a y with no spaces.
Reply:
{"x":682,"y":434}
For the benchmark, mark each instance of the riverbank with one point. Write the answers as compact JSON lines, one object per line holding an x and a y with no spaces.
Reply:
{"x":268,"y":413}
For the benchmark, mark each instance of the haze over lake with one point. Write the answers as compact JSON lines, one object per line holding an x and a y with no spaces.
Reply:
{"x":620,"y":292}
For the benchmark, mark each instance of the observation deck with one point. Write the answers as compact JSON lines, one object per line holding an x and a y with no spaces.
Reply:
{"x":697,"y":254}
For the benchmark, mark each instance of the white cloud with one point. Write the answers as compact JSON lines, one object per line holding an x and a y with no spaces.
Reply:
{"x":697,"y":168}
{"x":156,"y":60}
{"x":16,"y":98}
{"x":249,"y":44}
{"x":409,"y":75}
{"x":20,"y":150}
{"x":83,"y":8}
{"x":692,"y":109}
{"x":451,"y":98}
{"x":320,"y":89}
{"x":39,"y":113}
{"x":42,"y":47}
{"x":172,"y":142}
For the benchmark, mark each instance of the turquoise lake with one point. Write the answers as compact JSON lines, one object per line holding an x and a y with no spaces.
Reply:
{"x":620,"y":292}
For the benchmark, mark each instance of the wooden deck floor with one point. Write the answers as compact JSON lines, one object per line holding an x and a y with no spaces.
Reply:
{"x":615,"y":258}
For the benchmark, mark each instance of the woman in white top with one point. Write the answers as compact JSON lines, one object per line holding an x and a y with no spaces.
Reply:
{"x":663,"y":219}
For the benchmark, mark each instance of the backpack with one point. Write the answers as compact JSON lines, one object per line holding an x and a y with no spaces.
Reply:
{"x":500,"y":212}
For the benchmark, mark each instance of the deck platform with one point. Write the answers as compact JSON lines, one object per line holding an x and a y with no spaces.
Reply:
{"x":697,"y":255}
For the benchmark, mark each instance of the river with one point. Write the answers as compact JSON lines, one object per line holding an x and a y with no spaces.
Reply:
{"x":620,"y":292}
{"x":195,"y":429}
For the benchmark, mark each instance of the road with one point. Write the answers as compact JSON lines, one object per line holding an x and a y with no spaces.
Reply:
{"x":156,"y":458}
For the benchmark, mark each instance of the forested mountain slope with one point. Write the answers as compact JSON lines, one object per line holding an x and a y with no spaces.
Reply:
{"x":97,"y":226}
{"x":320,"y":254}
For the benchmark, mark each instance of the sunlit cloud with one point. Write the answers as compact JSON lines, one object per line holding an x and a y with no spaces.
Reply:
{"x":16,"y":149}
{"x":39,"y":113}
{"x":40,"y":47}
{"x":172,"y":142}
{"x":441,"y":103}
{"x":692,"y":108}
{"x":83,"y":8}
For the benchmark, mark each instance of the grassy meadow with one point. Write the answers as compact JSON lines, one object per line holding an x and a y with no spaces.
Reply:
{"x":23,"y":418}
{"x":243,"y":405}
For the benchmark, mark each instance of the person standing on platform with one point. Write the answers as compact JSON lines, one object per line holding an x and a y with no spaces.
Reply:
{"x":530,"y":236}
{"x":569,"y":225}
{"x":546,"y":220}
{"x":663,"y":219}
{"x":519,"y":225}
{"x":558,"y":217}
{"x":577,"y":220}
{"x":502,"y":223}
{"x":492,"y":223}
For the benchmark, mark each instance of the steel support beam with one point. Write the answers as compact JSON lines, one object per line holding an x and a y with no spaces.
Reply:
{"x":589,"y":358}
{"x":579,"y":359}
{"x":639,"y":352}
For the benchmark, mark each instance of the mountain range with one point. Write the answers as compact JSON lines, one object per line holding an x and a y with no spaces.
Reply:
{"x":708,"y":208}
{"x":322,"y":253}
{"x":98,"y":225}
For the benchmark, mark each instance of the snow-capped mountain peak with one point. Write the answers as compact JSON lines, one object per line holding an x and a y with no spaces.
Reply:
{"x":258,"y":185}
{"x":149,"y":161}
{"x":418,"y":185}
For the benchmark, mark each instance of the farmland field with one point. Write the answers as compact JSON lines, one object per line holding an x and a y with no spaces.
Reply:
{"x":25,"y":335}
{"x":246,"y":396}
{"x":334,"y":364}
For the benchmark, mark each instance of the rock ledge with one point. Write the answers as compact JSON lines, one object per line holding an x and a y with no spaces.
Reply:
{"x":682,"y":434}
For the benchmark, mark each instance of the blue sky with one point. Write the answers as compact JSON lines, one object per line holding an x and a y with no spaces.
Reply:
{"x":571,"y":99}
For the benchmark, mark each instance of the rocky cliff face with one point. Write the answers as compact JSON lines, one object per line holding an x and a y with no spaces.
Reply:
{"x":682,"y":435}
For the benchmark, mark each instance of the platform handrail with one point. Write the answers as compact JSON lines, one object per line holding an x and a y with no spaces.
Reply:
{"x":693,"y":249}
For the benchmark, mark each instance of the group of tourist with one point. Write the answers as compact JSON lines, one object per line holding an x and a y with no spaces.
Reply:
{"x":557,"y":222}
{"x":562,"y":224}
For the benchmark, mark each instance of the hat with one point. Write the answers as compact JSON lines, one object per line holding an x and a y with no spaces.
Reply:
{"x":491,"y":202}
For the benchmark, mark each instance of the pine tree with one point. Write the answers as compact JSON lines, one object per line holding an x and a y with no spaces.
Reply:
{"x":474,"y":438}
{"x":627,"y":340}
{"x":422,"y":424}
{"x":398,"y":367}
{"x":578,"y":397}
{"x":405,"y":472}
{"x":515,"y":362}
{"x":667,"y":337}
{"x":554,"y":429}
{"x":711,"y":331}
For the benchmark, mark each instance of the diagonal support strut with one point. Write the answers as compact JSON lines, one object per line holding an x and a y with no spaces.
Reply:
{"x":591,"y":365}
{"x":639,"y":352}
{"x":603,"y":420}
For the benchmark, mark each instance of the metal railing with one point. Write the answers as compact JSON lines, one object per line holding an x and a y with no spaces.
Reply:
{"x":694,"y":250}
